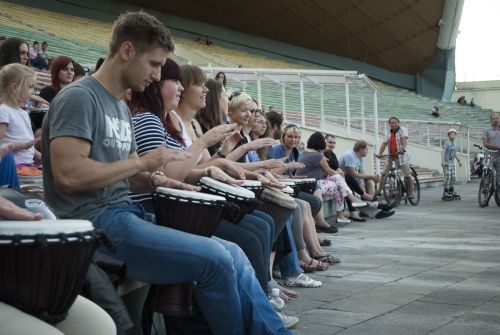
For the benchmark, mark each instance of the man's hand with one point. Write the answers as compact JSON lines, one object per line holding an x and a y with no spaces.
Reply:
{"x":155,"y":159}
{"x":163,"y":181}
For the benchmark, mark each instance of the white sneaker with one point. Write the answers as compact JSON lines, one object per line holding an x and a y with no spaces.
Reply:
{"x":359,"y":204}
{"x":288,"y":321}
{"x":302,"y":280}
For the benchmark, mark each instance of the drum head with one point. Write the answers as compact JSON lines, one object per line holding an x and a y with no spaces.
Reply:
{"x":288,"y":190}
{"x":278,"y":197}
{"x":45,"y":227}
{"x":251,"y":184}
{"x":189,"y":194}
{"x":226,"y":190}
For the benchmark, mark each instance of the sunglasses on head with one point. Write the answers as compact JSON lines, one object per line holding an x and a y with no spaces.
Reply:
{"x":234,"y":94}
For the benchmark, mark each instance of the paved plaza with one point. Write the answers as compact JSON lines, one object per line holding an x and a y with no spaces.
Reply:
{"x":429,"y":269}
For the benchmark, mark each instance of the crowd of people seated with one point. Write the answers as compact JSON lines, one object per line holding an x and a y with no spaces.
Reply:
{"x":144,"y":123}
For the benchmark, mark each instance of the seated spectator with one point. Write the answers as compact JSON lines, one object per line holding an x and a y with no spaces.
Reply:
{"x":14,"y":50}
{"x":62,"y":73}
{"x":221,"y":76}
{"x":435,"y":111}
{"x":45,"y":53}
{"x":352,"y":163}
{"x":462,"y":100}
{"x":330,"y":182}
{"x":16,"y":83}
{"x":79,"y":71}
{"x":472,"y":103}
{"x":36,"y":58}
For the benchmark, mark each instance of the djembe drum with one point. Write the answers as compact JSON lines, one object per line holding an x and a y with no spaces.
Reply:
{"x":43,"y":265}
{"x":278,"y":205}
{"x":243,"y":201}
{"x":307,"y":185}
{"x":191,"y":212}
{"x":255,"y":186}
{"x":291,"y":184}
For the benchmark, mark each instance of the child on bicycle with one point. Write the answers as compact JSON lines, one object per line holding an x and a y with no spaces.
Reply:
{"x":448,"y":156}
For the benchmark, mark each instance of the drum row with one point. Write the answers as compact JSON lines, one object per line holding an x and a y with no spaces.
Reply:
{"x":43,"y":263}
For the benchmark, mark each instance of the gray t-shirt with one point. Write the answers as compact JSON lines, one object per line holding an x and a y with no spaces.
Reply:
{"x":85,"y":109}
{"x":312,"y":168}
{"x":350,"y":159}
{"x":493,"y":135}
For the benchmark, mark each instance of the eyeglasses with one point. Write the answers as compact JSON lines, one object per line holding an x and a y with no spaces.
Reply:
{"x":254,"y":111}
{"x":290,"y":125}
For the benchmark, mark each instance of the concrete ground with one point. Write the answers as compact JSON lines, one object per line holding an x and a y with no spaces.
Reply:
{"x":429,"y":269}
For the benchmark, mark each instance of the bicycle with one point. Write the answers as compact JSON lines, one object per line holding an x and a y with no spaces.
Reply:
{"x":394,"y":186}
{"x":489,"y":182}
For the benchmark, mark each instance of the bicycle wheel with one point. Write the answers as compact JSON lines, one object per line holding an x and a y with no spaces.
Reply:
{"x":392,"y":189}
{"x":416,"y":188}
{"x":485,"y":188}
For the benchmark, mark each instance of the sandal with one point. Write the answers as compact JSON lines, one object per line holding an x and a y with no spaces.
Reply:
{"x":314,"y":265}
{"x":328,"y":259}
{"x":302,"y":280}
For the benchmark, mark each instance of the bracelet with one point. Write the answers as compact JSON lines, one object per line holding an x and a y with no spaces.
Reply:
{"x":220,"y":154}
{"x":156,"y":173}
{"x":207,"y":172}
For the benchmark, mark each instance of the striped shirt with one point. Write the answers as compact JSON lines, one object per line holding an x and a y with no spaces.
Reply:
{"x":150,"y":134}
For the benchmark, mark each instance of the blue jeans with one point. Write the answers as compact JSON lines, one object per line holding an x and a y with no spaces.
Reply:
{"x":289,"y":265}
{"x":252,"y":235}
{"x":223,"y":275}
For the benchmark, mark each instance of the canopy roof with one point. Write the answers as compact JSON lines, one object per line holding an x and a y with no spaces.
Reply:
{"x":398,"y":35}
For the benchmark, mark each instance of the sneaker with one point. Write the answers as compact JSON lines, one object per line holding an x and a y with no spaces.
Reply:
{"x":410,"y":196}
{"x":385,"y":207}
{"x":359,"y":204}
{"x":302,"y":280}
{"x":382,"y":214}
{"x":344,"y":221}
{"x":288,"y":321}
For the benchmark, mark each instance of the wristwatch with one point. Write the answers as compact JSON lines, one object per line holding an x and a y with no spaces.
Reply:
{"x":151,"y":177}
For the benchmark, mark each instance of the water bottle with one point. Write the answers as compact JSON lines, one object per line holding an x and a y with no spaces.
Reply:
{"x":276,"y":301}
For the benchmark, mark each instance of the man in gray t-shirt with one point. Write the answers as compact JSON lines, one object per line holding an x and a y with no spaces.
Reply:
{"x":87,"y":111}
{"x":491,"y":139}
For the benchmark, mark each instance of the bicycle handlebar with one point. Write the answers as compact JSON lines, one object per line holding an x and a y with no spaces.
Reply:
{"x":483,"y":148}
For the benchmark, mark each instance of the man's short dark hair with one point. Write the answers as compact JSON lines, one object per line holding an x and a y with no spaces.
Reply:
{"x":329,"y":135}
{"x":274,"y":118}
{"x":361,"y":144}
{"x":143,"y":30}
